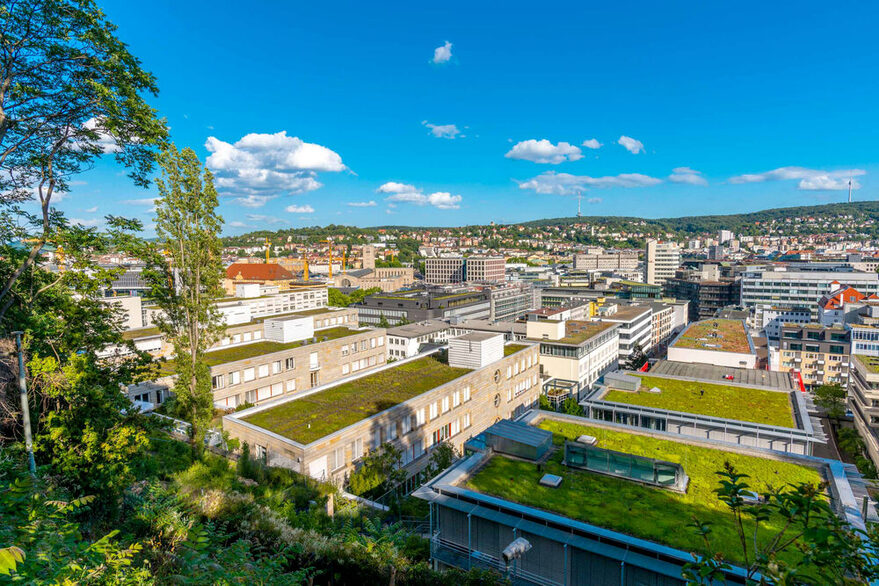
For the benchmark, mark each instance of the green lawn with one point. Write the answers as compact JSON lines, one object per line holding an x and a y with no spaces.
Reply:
{"x":513,"y":348}
{"x":309,"y":418}
{"x":265,"y":347}
{"x":740,"y":403}
{"x":650,"y":513}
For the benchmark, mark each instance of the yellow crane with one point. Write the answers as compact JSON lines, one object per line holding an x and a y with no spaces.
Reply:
{"x":305,"y":267}
{"x":268,"y":250}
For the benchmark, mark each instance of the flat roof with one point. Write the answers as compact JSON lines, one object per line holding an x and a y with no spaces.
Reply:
{"x":418,"y":328}
{"x":578,"y":332}
{"x":713,"y":399}
{"x":871,"y":363}
{"x":717,"y":335}
{"x":314,"y":416}
{"x":477,"y":336}
{"x":625,"y":312}
{"x":629,"y":507}
{"x":770,"y":379}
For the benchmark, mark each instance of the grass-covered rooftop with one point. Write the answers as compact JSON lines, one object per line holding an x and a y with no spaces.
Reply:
{"x":513,"y":348}
{"x":871,"y":363}
{"x":646,"y":512}
{"x":578,"y":331}
{"x":314,"y":416}
{"x":719,"y":335}
{"x":728,"y":401}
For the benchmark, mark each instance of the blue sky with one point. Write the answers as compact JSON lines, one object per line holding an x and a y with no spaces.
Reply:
{"x":311,"y":107}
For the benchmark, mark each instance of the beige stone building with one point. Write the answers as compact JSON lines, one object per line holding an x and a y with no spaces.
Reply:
{"x":388,"y":279}
{"x":863,"y":400}
{"x":415,"y":403}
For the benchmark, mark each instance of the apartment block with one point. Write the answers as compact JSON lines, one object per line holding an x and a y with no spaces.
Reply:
{"x":414,"y":404}
{"x":416,"y":306}
{"x":485,"y":269}
{"x":818,"y":354}
{"x":635,"y":327}
{"x":662,"y":259}
{"x":606,"y":261}
{"x":863,"y":400}
{"x":444,"y":270}
{"x":576,"y":351}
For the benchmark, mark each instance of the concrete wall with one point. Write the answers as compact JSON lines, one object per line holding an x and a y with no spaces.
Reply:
{"x":732,"y":359}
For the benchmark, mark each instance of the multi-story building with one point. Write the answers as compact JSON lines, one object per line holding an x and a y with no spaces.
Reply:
{"x":819,"y":354}
{"x":261,"y":273}
{"x":718,"y":341}
{"x":576,"y":351}
{"x":387,"y":279}
{"x":444,"y":270}
{"x":408,"y":340}
{"x":635,"y":327}
{"x":773,"y":318}
{"x":800,"y":286}
{"x":266,"y":369}
{"x":606,"y":261}
{"x":662,"y":259}
{"x":841,"y":305}
{"x":705,"y":289}
{"x":511,"y":301}
{"x":485,"y":269}
{"x":415,"y":404}
{"x":863,"y":400}
{"x":415,"y":306}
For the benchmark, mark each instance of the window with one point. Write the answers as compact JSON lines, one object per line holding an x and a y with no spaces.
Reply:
{"x":406,"y":425}
{"x":249,"y":374}
{"x":257,"y":335}
{"x":261,"y":452}
{"x":345,"y":369}
{"x":263,"y":393}
{"x":465,"y":421}
{"x":345,"y":350}
{"x":247,"y":336}
{"x":456,"y":427}
{"x":338,"y":458}
{"x":263,"y":370}
{"x":276,"y":367}
{"x":217,"y":381}
{"x":509,"y":372}
{"x":277,"y":389}
{"x":234,"y":377}
{"x":250,"y":397}
{"x":363,"y":344}
{"x":419,"y":417}
{"x":434,"y":408}
{"x":456,"y":398}
{"x":372,"y":342}
{"x":466,"y":394}
{"x":381,"y":342}
{"x":377,"y":438}
{"x":392,"y":430}
{"x":445,"y":404}
{"x":441,"y":434}
{"x":417,"y":449}
{"x":356,"y":449}
{"x":236,"y":338}
{"x":313,"y":361}
{"x":315,"y":378}
{"x":290,"y":363}
{"x":291,"y":385}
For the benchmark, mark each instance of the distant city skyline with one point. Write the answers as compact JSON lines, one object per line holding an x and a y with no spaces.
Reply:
{"x":458,"y":114}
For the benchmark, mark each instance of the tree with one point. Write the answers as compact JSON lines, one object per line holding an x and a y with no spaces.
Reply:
{"x":442,"y":456}
{"x":831,"y":551}
{"x":186,"y":286}
{"x":572,"y":407}
{"x":336,"y":298}
{"x":383,"y":321}
{"x":379,"y":470}
{"x":69,"y":92}
{"x":831,"y":398}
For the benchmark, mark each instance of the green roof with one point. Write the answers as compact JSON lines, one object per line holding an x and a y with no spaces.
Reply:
{"x":315,"y":416}
{"x":141,"y":333}
{"x":871,"y":363}
{"x":718,"y":335}
{"x":635,"y":509}
{"x":719,"y":400}
{"x":513,"y":348}
{"x":577,"y":332}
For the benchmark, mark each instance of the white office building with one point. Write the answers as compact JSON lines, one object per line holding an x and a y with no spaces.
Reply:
{"x":661,"y":261}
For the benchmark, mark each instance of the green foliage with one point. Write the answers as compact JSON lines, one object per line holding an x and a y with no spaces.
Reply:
{"x":336,"y":298}
{"x":442,"y":456}
{"x":813,"y":546}
{"x":572,"y":407}
{"x":831,"y":398}
{"x":852,"y":444}
{"x":184,"y":287}
{"x":383,"y":321}
{"x":379,"y":471}
{"x":543,"y":403}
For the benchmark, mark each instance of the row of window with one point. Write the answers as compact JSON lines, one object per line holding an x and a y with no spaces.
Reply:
{"x":363,"y":345}
{"x":355,"y":365}
{"x":218,"y":381}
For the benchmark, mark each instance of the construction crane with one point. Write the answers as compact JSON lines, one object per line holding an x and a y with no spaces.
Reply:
{"x":268,"y":250}
{"x":305,"y":267}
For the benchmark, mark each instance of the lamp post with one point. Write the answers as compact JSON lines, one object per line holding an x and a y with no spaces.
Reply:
{"x":25,"y":407}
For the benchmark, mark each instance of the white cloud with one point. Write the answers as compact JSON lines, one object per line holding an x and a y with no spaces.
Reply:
{"x":262,"y":164}
{"x":294,"y":209}
{"x":594,"y":200}
{"x":90,"y":223}
{"x":443,"y":130}
{"x":809,"y":179}
{"x":103,"y":139}
{"x":632,"y":145}
{"x":254,"y":201}
{"x":362,"y":204}
{"x":146,"y":201}
{"x":443,"y":53}
{"x":236,"y":224}
{"x":91,"y":210}
{"x":543,"y":151}
{"x":687,"y":175}
{"x":265,"y":219}
{"x":592,"y":143}
{"x":566,"y":184}
{"x":403,"y":192}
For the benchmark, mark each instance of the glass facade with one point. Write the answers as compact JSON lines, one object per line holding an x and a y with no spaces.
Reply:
{"x":645,"y":470}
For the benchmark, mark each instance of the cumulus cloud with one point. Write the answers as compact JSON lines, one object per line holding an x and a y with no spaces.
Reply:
{"x":363,"y":204}
{"x":592,"y":143}
{"x":295,"y":209}
{"x":630,"y":144}
{"x":594,"y":200}
{"x":91,"y":210}
{"x":254,"y":201}
{"x":566,"y":184}
{"x":443,"y":53}
{"x":146,"y":201}
{"x":101,"y":137}
{"x":442,"y":130}
{"x":85,"y":223}
{"x":688,"y":176}
{"x":808,"y":179}
{"x":264,"y":219}
{"x":403,"y":192}
{"x":543,"y":151}
{"x":237,"y":224}
{"x":263,"y":164}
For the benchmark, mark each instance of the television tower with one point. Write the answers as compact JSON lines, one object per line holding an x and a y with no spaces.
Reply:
{"x":849,"y":189}
{"x":579,"y":199}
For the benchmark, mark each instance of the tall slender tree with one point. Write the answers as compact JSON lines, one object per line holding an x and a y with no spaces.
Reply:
{"x":185,"y":273}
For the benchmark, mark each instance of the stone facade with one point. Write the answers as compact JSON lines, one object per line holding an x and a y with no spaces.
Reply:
{"x":500,"y":390}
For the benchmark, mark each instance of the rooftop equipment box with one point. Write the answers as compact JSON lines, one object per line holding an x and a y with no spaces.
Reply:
{"x":476,"y":350}
{"x":288,"y":329}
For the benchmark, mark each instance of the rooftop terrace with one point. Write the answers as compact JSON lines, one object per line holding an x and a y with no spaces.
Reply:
{"x":315,"y":416}
{"x":870,"y":363}
{"x":577,"y":332}
{"x":636,"y":509}
{"x":718,"y":335}
{"x":718,"y":400}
